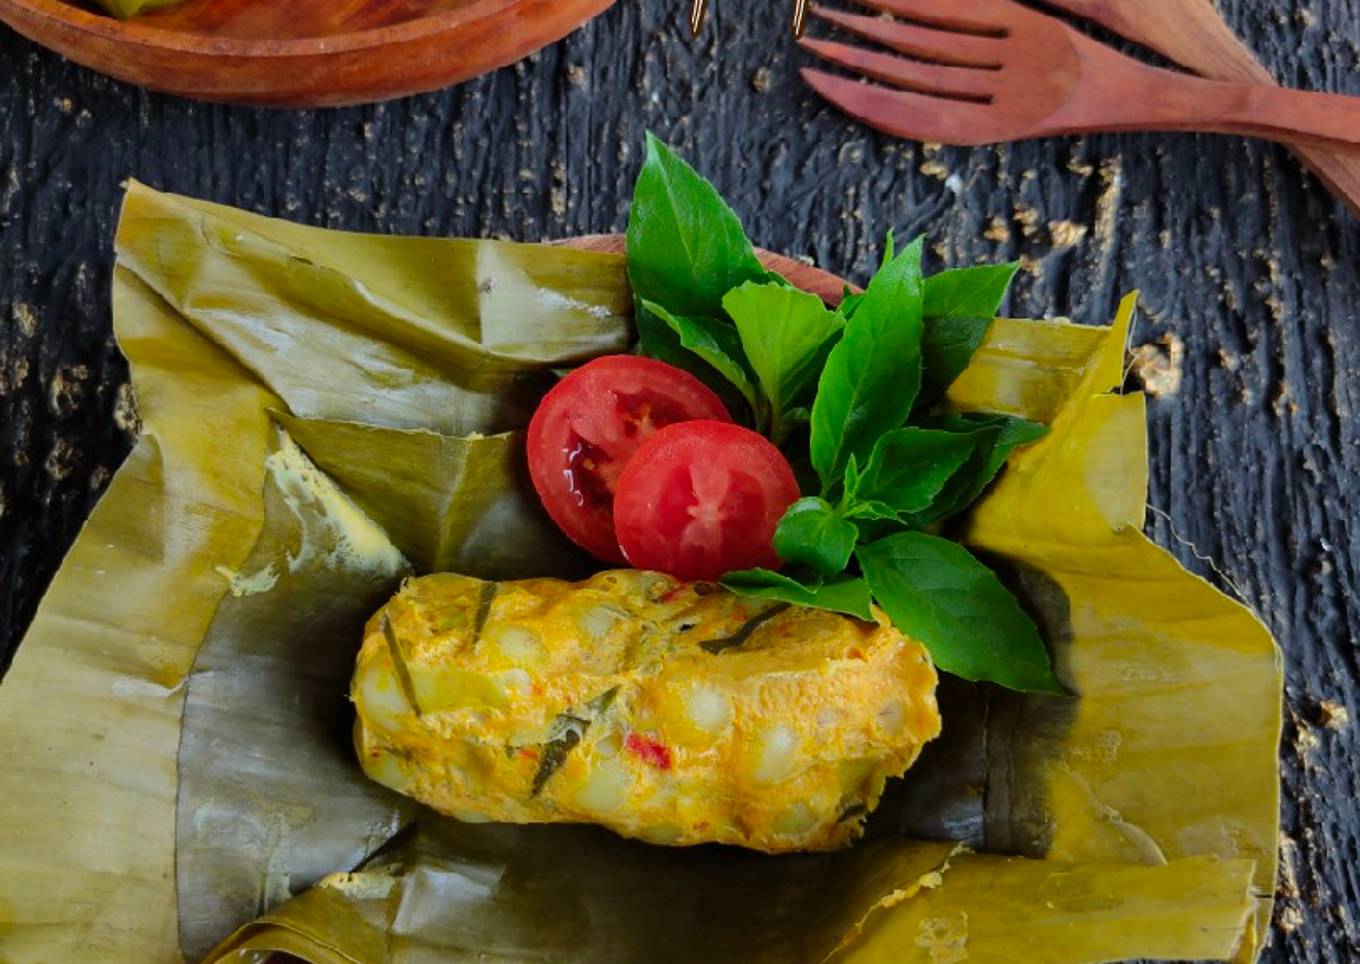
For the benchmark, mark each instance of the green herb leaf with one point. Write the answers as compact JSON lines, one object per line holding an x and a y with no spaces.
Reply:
{"x":960,"y":306}
{"x":994,"y":438}
{"x":873,"y":374}
{"x":813,"y":534}
{"x":936,"y":591}
{"x":847,"y":596}
{"x":686,"y":249}
{"x":717,"y":343}
{"x":872,"y":510}
{"x":657,"y":340}
{"x":947,"y":346}
{"x":1013,"y":433}
{"x":969,"y":292}
{"x":849,"y":303}
{"x":786,"y":335}
{"x":909,"y":468}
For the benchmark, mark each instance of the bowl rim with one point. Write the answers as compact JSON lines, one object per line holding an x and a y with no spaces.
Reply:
{"x":109,"y":28}
{"x":803,"y":273}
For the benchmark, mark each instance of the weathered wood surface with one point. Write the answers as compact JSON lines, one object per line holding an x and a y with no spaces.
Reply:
{"x":1250,"y":272}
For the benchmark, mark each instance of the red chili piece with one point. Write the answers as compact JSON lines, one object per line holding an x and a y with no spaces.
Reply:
{"x":652,"y":751}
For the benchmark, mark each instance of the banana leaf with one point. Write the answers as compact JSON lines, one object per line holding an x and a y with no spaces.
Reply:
{"x":324,"y":413}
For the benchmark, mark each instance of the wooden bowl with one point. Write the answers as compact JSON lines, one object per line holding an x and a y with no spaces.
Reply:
{"x":301,"y":53}
{"x":813,"y":280}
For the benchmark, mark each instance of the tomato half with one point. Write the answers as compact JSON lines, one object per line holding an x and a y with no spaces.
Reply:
{"x":589,"y":425}
{"x":703,"y":498}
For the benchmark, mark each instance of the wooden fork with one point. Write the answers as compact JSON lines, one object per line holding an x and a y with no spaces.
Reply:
{"x":992,"y":70}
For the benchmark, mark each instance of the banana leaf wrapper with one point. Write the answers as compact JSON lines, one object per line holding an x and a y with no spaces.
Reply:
{"x":325,"y":413}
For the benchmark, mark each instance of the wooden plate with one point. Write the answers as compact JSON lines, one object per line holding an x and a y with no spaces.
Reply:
{"x":302,"y":53}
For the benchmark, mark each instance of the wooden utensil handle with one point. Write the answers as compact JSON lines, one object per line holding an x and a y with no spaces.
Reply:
{"x":1193,"y":34}
{"x":1290,"y":116}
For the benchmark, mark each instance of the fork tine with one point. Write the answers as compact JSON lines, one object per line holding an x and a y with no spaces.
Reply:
{"x":959,"y":82}
{"x":902,"y":113}
{"x":954,"y":49}
{"x":981,"y":16}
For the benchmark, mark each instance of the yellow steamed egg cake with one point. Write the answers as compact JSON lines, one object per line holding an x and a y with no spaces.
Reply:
{"x":678,"y":713}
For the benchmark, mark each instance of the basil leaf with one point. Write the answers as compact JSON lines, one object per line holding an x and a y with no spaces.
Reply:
{"x":786,"y":335}
{"x":847,"y":596}
{"x":994,"y":437}
{"x":936,"y":592}
{"x":910,"y":467}
{"x":813,"y":534}
{"x":947,"y":346}
{"x":717,"y":343}
{"x":1013,"y":433}
{"x":969,"y":292}
{"x":871,"y":510}
{"x":686,"y":249}
{"x":960,"y":307}
{"x":657,"y":340}
{"x":873,"y":374}
{"x":849,"y":303}
{"x":856,"y":506}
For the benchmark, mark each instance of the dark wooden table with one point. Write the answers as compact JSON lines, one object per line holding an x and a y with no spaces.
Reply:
{"x":1250,"y":274}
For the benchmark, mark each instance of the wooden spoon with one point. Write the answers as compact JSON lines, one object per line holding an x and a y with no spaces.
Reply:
{"x":1194,"y":34}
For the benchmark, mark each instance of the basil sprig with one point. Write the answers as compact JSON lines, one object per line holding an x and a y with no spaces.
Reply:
{"x":854,"y":397}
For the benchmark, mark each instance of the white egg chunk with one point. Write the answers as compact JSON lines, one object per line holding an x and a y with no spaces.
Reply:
{"x":516,"y":681}
{"x":380,"y":698}
{"x":708,"y":709}
{"x":598,"y":621}
{"x":517,"y":645}
{"x":604,"y":788}
{"x":797,"y":820}
{"x":892,"y":716}
{"x":388,"y":769}
{"x":775,"y":755}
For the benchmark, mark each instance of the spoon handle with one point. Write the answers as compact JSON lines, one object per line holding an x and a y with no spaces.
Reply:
{"x":1328,"y":121}
{"x":1193,"y":34}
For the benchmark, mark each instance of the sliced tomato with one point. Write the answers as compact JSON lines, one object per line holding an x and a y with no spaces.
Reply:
{"x":703,"y":498}
{"x":589,"y":425}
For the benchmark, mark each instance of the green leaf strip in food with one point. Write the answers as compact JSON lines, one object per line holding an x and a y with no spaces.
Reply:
{"x":399,"y":664}
{"x":723,"y":643}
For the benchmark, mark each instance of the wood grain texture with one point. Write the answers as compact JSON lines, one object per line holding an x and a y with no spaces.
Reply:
{"x":306,"y":53}
{"x":1250,"y":273}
